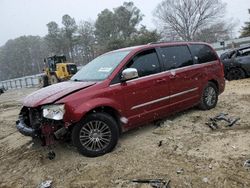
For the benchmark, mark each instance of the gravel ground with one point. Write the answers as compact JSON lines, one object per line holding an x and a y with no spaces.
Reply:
{"x":190,"y":155}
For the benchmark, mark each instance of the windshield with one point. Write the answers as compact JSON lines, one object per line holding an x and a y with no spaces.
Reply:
{"x":101,"y":67}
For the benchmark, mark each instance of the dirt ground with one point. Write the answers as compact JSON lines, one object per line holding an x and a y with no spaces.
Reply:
{"x":191,"y":154}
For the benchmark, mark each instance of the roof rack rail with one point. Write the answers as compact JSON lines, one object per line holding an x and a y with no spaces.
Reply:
{"x":160,"y":42}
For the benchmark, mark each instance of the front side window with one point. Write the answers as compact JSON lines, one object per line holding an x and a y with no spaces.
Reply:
{"x":52,"y":65}
{"x":101,"y":67}
{"x":176,"y":57}
{"x":146,"y":63}
{"x":203,"y":53}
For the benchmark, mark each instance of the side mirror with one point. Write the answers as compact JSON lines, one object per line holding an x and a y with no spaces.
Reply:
{"x":129,"y":73}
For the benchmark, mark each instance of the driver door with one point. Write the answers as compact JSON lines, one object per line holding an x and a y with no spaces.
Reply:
{"x":142,"y":95}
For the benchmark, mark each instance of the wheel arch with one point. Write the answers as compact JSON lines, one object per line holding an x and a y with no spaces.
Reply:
{"x":109,"y":110}
{"x":216,"y":84}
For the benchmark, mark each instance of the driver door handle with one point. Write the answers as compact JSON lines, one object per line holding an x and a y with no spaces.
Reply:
{"x":161,"y":80}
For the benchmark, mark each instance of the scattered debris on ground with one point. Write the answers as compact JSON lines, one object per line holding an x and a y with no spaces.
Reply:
{"x":247,"y":163}
{"x":160,"y":143}
{"x":180,"y":171}
{"x":2,"y":90}
{"x":51,"y":155}
{"x":155,"y":183}
{"x":214,"y":122}
{"x":45,"y":184}
{"x":209,"y":158}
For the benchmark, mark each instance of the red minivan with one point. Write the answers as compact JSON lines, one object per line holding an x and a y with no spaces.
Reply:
{"x":121,"y":90}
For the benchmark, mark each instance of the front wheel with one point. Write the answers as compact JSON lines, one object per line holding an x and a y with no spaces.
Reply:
{"x":44,"y":82}
{"x":209,"y":97}
{"x":95,"y":135}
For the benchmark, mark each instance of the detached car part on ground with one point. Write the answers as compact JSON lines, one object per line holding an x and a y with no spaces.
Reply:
{"x":2,"y":90}
{"x":121,"y":90}
{"x":237,"y":63}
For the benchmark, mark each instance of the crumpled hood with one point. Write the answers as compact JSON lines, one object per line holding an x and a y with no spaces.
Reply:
{"x":54,"y":92}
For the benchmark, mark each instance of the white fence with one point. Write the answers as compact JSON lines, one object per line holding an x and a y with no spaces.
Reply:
{"x":27,"y":81}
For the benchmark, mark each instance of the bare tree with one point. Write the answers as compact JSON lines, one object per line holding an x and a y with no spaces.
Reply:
{"x":184,"y":19}
{"x":216,"y":32}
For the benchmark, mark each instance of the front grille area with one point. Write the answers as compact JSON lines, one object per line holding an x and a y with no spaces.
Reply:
{"x":32,"y":123}
{"x":32,"y":117}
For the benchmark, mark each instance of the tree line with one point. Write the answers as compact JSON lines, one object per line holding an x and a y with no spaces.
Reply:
{"x":182,"y":20}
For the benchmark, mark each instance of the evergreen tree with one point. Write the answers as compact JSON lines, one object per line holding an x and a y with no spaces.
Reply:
{"x":245,"y":32}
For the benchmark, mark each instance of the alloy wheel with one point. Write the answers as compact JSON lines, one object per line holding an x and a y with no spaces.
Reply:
{"x":210,"y":96}
{"x":95,"y":135}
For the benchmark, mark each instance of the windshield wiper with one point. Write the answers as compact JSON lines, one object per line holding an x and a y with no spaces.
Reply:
{"x":76,"y":80}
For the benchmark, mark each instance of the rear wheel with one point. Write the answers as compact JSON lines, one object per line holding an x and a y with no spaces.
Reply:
{"x":209,"y":97}
{"x":96,"y":135}
{"x":235,"y":74}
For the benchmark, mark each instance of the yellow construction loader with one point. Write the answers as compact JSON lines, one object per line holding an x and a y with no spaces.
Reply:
{"x":57,"y":70}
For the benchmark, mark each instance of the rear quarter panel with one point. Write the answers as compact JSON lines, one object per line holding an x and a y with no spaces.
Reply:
{"x":245,"y":64}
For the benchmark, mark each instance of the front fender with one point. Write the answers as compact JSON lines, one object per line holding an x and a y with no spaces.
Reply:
{"x":75,"y":115}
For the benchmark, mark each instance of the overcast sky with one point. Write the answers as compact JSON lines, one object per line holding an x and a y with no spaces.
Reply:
{"x":29,"y":17}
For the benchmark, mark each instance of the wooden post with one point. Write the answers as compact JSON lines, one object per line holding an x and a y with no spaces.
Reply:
{"x":32,"y":83}
{"x":20,"y":82}
{"x":26,"y":84}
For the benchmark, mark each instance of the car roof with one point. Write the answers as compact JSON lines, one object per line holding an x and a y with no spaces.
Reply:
{"x":236,"y":49}
{"x":243,"y":48}
{"x":157,"y":44}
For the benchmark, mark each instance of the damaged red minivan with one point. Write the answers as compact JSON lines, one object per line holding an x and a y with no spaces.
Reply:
{"x":121,"y":90}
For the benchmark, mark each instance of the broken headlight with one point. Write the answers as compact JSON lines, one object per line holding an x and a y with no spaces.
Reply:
{"x":54,"y":112}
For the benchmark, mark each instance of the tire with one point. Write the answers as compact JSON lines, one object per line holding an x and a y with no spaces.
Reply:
{"x":44,"y":81}
{"x":235,"y":74}
{"x":209,"y":97}
{"x":87,"y":135}
{"x":53,"y":79}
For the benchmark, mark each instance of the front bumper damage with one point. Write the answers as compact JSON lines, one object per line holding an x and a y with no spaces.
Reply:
{"x":31,"y":123}
{"x":24,"y":129}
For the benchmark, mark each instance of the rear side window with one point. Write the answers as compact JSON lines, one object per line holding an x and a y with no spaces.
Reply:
{"x":245,"y":52}
{"x":146,"y":63}
{"x":176,"y":57}
{"x":202,"y":53}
